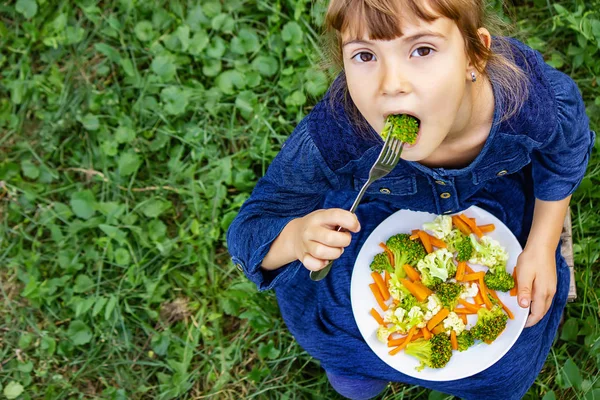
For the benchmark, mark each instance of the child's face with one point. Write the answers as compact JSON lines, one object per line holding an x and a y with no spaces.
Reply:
{"x":424,"y":73}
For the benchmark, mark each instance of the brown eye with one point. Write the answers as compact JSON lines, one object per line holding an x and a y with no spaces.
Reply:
{"x":364,"y":56}
{"x":422,"y":51}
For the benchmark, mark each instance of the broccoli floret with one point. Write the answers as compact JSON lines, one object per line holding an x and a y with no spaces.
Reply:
{"x":461,"y":244}
{"x":433,"y":353}
{"x":465,"y":340}
{"x":405,"y":251}
{"x":436,"y":268}
{"x":441,"y":226}
{"x":449,"y":293}
{"x":381,"y":263}
{"x":408,"y":302}
{"x":488,"y":252}
{"x":403,"y":127}
{"x":490,"y":324}
{"x":499,"y":280}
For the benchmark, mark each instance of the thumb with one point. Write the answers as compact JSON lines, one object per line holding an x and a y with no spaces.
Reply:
{"x":525,"y":285}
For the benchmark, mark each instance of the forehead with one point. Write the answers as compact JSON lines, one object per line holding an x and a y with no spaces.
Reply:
{"x":414,"y":28}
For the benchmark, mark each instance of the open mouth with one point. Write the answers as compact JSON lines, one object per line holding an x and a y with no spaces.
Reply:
{"x":402,"y":126}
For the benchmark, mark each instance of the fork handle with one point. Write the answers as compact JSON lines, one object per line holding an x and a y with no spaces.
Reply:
{"x":322,"y":273}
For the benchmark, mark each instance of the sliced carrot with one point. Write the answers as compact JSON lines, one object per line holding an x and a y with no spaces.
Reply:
{"x":387,"y":278}
{"x":398,"y":342}
{"x":484,"y":293}
{"x":381,"y":285}
{"x":411,"y":272}
{"x":438,"y":329}
{"x":466,"y":311}
{"x":377,"y":316}
{"x":425,"y":240}
{"x":414,"y":235}
{"x":471,"y":225}
{"x":460,"y":224}
{"x":478,"y":298}
{"x":437,"y":318}
{"x":426,"y":333}
{"x":437,"y":242}
{"x":504,"y":307}
{"x":416,"y":291}
{"x":468,"y":305}
{"x":464,"y":318}
{"x":378,"y":296}
{"x":453,"y":340}
{"x":411,"y":332}
{"x":515,"y":290}
{"x":473,"y":277}
{"x":487,"y":228}
{"x":460,"y":270}
{"x":388,"y":252}
{"x":468,"y":269}
{"x":424,"y":288}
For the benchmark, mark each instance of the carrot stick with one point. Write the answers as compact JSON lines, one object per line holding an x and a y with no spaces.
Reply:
{"x":515,"y":290}
{"x":377,"y":316}
{"x":425,"y":240}
{"x":468,"y":305}
{"x":469,"y":269}
{"x":478,"y":298}
{"x":397,"y":342}
{"x":437,"y":318}
{"x":387,"y":278}
{"x":415,"y":235}
{"x":436,"y":242}
{"x":504,"y":307}
{"x":484,"y":293}
{"x":411,"y":272}
{"x":453,"y":340}
{"x":403,"y":345}
{"x":381,"y":285}
{"x":438,"y":329}
{"x":464,"y":318}
{"x":471,"y":225}
{"x":424,"y":288}
{"x":487,"y":228}
{"x":426,"y":333}
{"x":466,"y":311}
{"x":460,"y":270}
{"x":414,"y":289}
{"x":473,"y":277}
{"x":388,"y":252}
{"x":460,"y":224}
{"x":378,"y":297}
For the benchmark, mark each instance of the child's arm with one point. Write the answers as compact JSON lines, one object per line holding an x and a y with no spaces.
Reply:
{"x":536,"y":266}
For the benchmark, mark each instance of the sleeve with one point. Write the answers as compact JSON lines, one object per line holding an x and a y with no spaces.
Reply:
{"x":294,"y":185}
{"x":560,"y":163}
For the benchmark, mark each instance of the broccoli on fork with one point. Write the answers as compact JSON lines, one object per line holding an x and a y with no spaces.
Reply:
{"x":403,"y":127}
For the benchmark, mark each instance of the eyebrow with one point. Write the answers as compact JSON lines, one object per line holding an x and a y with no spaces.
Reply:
{"x":410,"y":38}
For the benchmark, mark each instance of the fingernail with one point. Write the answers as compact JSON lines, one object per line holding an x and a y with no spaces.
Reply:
{"x":524,"y":302}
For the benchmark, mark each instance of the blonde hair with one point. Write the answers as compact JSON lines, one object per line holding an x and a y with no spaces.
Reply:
{"x":379,"y":19}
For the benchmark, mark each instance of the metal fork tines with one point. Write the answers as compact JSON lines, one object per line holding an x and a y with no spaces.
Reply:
{"x":385,"y":163}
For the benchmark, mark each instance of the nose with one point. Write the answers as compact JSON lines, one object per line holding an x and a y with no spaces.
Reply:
{"x":394,"y":81}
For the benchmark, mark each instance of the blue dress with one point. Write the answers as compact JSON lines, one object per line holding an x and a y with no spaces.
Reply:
{"x":541,"y":152}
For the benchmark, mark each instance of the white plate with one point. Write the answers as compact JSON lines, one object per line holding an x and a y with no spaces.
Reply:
{"x":462,"y":364}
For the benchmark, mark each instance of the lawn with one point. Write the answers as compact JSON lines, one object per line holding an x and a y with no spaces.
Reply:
{"x":130,"y":134}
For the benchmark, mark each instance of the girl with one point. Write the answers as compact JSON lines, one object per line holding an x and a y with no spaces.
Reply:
{"x":499,"y":129}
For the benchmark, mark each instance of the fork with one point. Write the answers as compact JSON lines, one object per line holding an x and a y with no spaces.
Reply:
{"x":385,"y":163}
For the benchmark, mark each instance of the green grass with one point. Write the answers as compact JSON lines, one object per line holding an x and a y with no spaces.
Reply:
{"x":130,"y":134}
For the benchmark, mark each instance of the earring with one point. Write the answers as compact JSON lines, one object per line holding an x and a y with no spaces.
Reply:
{"x":473,"y":77}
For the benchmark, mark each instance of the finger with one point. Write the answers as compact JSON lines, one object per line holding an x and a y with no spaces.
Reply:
{"x":539,"y":306}
{"x":313,"y":264}
{"x":323,"y":252}
{"x":334,"y":217}
{"x":525,"y":279}
{"x":331,"y":238}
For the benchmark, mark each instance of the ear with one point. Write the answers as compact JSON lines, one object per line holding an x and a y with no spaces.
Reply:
{"x":486,"y":39}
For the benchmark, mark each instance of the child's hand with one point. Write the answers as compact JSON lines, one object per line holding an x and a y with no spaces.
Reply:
{"x":536,"y":274}
{"x":316,"y":240}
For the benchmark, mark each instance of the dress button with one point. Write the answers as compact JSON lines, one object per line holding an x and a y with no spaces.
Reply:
{"x":440,"y":182}
{"x":503,"y":172}
{"x":385,"y":191}
{"x":238,"y":266}
{"x":445,"y":195}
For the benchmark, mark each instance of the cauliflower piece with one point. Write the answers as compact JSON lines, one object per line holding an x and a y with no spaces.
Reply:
{"x":454,"y":322}
{"x":416,"y":317}
{"x":434,"y":305}
{"x":488,"y":252}
{"x":436,"y":267}
{"x":471,"y":290}
{"x":440,"y":227}
{"x":383,"y":333}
